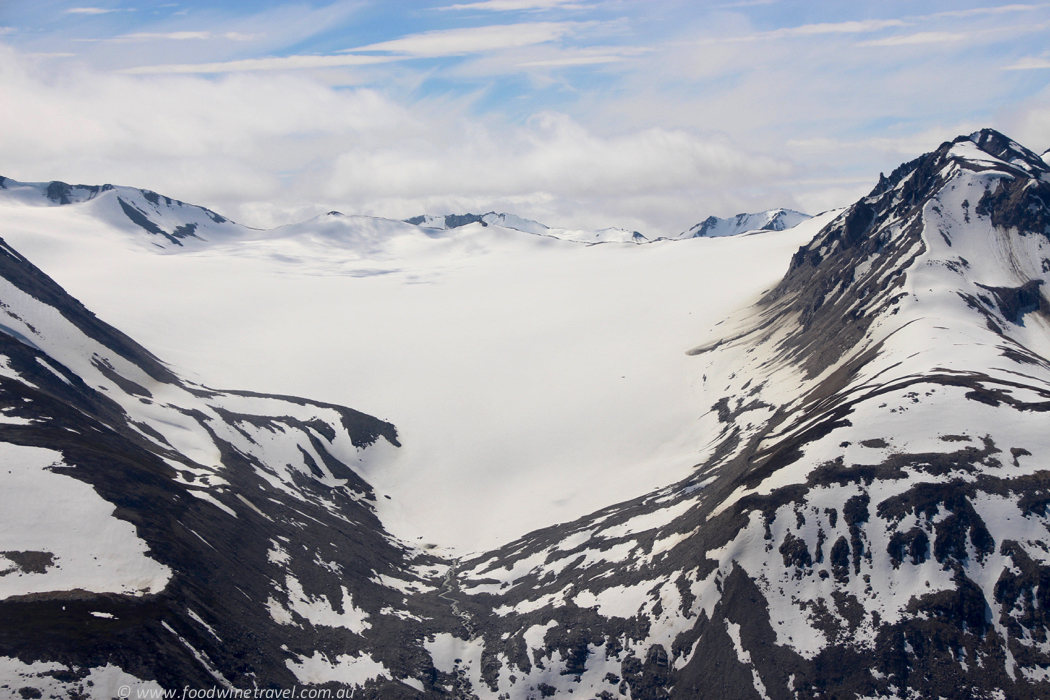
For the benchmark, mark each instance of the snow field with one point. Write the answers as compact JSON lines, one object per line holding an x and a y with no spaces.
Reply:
{"x":101,"y":683}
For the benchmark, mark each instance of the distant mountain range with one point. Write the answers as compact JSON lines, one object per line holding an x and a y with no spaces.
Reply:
{"x":176,"y":221}
{"x":772,"y":220}
{"x":843,"y":495}
{"x":450,"y":221}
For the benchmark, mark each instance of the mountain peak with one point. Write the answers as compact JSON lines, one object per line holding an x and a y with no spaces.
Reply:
{"x":981,"y":150}
{"x":853,"y":271}
{"x":1005,"y":149}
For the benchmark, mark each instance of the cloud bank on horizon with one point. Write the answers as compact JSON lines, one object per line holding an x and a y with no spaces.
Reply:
{"x":642,"y":115}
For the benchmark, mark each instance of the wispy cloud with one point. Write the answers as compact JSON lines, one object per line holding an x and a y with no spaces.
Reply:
{"x":566,"y":61}
{"x":918,"y":38}
{"x":745,"y":3}
{"x":175,"y":36}
{"x":517,"y":5}
{"x":184,"y":36}
{"x":1031,"y":63}
{"x":808,"y":30}
{"x":978,"y":11}
{"x":453,"y":42}
{"x":88,"y":11}
{"x":588,"y":56}
{"x":471,"y":40}
{"x":274,"y":63}
{"x":852,"y":27}
{"x":237,"y":36}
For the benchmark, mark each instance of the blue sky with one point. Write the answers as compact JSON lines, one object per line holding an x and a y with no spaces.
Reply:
{"x":645,"y":115}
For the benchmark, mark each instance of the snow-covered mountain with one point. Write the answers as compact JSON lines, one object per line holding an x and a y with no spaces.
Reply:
{"x":849,"y":500}
{"x":870,"y":521}
{"x":772,"y":220}
{"x":169,"y":222}
{"x":154,"y":515}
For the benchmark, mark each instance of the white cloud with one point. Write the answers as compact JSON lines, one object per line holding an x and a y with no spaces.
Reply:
{"x":677,"y":126}
{"x":458,"y":42}
{"x":222,"y":143}
{"x":554,"y":170}
{"x":551,"y":154}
